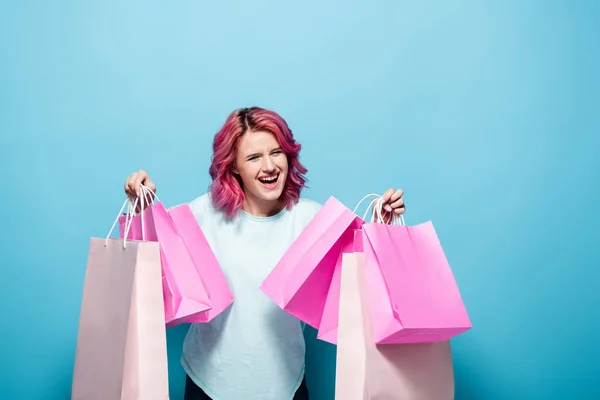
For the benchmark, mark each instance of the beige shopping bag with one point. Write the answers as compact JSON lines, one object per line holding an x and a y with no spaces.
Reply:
{"x":121,"y":344}
{"x":366,"y":371}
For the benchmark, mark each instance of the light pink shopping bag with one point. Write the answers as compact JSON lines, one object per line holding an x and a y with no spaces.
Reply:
{"x":413,"y":293}
{"x":328,"y":326}
{"x":300,"y":281}
{"x":121,"y":349}
{"x":185,"y":295}
{"x":367,"y":371}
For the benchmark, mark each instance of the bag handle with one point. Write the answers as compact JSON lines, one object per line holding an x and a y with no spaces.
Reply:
{"x":377,"y":206}
{"x":148,"y":191}
{"x":129,"y":216}
{"x":363,"y":199}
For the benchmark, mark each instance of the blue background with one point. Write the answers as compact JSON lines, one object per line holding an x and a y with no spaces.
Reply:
{"x":485,"y":112}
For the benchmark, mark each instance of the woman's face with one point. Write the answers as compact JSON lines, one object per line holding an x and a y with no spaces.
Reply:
{"x":262,"y":166}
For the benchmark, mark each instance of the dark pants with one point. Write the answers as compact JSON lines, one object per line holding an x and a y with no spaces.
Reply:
{"x":193,"y":392}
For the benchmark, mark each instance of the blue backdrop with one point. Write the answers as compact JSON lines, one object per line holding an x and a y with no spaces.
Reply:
{"x":485,"y":112}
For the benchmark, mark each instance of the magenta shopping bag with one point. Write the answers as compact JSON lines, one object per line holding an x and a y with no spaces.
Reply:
{"x":184,"y":292}
{"x":299,"y":283}
{"x":412,"y":291}
{"x":426,"y":274}
{"x":205,"y":262}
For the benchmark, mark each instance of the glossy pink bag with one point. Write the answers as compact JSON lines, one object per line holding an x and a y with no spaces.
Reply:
{"x":205,"y":262}
{"x":300,"y":281}
{"x":186,"y":298}
{"x":413,"y":295}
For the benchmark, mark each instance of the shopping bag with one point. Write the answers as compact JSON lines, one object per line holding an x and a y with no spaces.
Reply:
{"x":328,"y":326}
{"x":299,"y":283}
{"x":185,"y":295}
{"x":121,"y":351}
{"x":413,"y":292}
{"x":205,"y":262}
{"x":425,"y":285}
{"x":367,"y":371}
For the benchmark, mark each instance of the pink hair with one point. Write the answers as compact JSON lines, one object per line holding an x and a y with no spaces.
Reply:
{"x":226,"y":188}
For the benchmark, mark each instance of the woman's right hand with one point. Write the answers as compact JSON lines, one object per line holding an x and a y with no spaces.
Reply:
{"x":134,"y":183}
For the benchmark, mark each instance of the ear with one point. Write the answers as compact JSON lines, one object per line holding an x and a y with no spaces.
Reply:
{"x":235,"y":169}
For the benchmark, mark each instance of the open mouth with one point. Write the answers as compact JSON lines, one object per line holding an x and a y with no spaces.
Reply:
{"x":269,"y":180}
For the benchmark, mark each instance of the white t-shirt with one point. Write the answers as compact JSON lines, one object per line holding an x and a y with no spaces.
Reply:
{"x":253,"y":350}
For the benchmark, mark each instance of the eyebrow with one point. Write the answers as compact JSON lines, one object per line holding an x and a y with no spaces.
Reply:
{"x":249,"y":156}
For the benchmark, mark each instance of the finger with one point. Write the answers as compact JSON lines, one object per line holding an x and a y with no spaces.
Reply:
{"x":399,"y":211}
{"x":140,"y":177}
{"x":398,"y":203}
{"x":387,"y":195}
{"x":385,"y":198}
{"x":129,"y":185}
{"x":396,"y":195}
{"x":149,"y":184}
{"x":131,"y":180}
{"x":128,"y":191}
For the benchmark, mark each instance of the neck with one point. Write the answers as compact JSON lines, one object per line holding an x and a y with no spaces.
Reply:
{"x":261,"y":208}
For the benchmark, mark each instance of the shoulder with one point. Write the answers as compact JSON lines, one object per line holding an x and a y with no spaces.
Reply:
{"x":202,"y":207}
{"x":307,"y":207}
{"x":302,"y":213}
{"x":200,"y":203}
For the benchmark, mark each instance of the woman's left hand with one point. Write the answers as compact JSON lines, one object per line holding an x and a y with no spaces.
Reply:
{"x":393,"y":205}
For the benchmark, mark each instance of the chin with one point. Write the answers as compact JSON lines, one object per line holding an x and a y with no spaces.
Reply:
{"x":271,"y":196}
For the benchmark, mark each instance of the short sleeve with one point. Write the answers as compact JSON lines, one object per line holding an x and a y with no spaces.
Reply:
{"x":200,"y":207}
{"x":309,"y":208}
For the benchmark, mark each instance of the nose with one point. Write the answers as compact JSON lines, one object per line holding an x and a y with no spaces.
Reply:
{"x":268,"y":164}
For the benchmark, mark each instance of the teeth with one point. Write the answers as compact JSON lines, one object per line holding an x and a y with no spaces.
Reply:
{"x":269,"y":179}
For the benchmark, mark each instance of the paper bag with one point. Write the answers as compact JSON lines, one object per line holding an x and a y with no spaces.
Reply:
{"x":205,"y":262}
{"x":412,"y":290}
{"x":367,"y":371}
{"x":185,"y":294}
{"x":121,"y":349}
{"x":299,"y":283}
{"x":328,"y":326}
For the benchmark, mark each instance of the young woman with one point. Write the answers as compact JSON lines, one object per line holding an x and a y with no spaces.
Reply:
{"x":251,"y":215}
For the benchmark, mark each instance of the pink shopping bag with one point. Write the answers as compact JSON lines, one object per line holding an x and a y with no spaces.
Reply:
{"x":413,"y":293}
{"x":367,"y":371}
{"x":328,"y":326}
{"x":185,"y":295}
{"x":299,"y":283}
{"x":121,"y":351}
{"x":206,"y":263}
